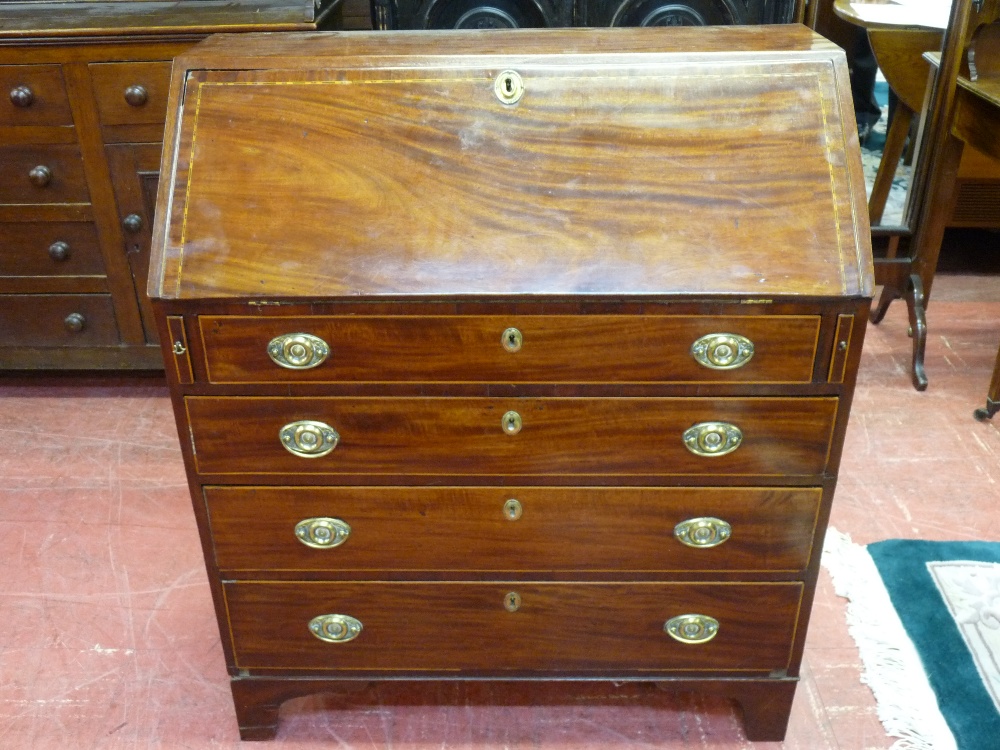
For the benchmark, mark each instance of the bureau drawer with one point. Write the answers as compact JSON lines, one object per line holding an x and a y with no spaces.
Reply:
{"x":42,"y":174}
{"x":470,"y":436}
{"x":131,"y":93}
{"x":35,"y":248}
{"x":511,"y":529}
{"x":33,"y":95}
{"x":456,"y":627}
{"x":515,"y":349}
{"x":35,"y":320}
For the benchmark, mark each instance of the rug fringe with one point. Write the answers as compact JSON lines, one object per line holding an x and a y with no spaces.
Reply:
{"x":907,"y":707}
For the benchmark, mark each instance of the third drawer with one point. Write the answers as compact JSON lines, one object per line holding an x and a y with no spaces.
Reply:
{"x":524,"y":529}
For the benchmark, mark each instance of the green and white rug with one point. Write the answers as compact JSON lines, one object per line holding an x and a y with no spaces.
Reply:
{"x":926,"y":618}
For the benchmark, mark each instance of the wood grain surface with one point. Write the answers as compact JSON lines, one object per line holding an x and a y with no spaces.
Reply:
{"x":467,"y":528}
{"x":627,"y":174}
{"x":560,"y":349}
{"x":459,"y":627}
{"x":464,"y":436}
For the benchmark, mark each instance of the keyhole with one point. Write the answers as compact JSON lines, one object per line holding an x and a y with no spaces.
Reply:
{"x":512,"y":602}
{"x":508,"y":87}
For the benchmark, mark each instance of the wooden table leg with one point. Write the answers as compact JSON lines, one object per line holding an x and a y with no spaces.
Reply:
{"x":895,"y":142}
{"x":993,"y":397}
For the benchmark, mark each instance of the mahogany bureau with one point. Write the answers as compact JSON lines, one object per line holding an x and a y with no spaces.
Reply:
{"x":512,"y":355}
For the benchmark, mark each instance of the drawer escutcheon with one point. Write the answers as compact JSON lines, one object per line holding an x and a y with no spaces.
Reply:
{"x":722,"y":351}
{"x":298,"y":351}
{"x":322,"y":533}
{"x":692,"y":629}
{"x":512,"y":339}
{"x":703,"y":533}
{"x":712,"y":438}
{"x":335,"y":628}
{"x":511,"y":423}
{"x":309,"y":439}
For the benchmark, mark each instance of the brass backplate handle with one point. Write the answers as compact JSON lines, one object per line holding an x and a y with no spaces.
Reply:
{"x":335,"y":628}
{"x":692,"y":629}
{"x":712,"y":438}
{"x":722,"y":351}
{"x":703,"y":533}
{"x":322,"y":533}
{"x":308,"y":439}
{"x":298,"y":351}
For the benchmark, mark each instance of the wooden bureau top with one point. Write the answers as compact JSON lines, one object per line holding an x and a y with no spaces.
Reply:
{"x":637,"y":163}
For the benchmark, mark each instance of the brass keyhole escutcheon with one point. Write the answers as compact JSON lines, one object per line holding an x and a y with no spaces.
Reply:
{"x":512,"y":602}
{"x":508,"y":87}
{"x":511,"y":423}
{"x":512,"y":509}
{"x":512,"y":340}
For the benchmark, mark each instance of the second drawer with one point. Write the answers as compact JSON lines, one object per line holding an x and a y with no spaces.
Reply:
{"x":513,"y":529}
{"x":514,"y":437}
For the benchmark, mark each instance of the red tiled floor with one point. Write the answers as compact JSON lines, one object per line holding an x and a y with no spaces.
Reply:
{"x":108,"y":637}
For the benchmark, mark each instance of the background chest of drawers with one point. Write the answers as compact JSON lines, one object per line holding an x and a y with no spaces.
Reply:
{"x":487,"y":390}
{"x":83,"y":94}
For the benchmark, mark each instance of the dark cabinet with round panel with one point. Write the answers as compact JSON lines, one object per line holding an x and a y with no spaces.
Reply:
{"x":507,"y":14}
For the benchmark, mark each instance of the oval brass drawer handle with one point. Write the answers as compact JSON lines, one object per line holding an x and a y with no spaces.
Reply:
{"x":298,"y":351}
{"x":322,"y":533}
{"x":703,"y":533}
{"x":722,"y":351}
{"x":713,"y":438}
{"x":692,"y":628}
{"x":335,"y":628}
{"x":309,"y":439}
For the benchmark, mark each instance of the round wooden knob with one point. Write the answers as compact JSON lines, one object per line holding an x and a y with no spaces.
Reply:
{"x":132,"y":223}
{"x":136,"y":95}
{"x":59,"y":251}
{"x":75,"y":322}
{"x":22,"y":96}
{"x":40,"y":176}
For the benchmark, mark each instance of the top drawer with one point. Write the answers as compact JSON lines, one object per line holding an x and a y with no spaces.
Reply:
{"x":511,"y":349}
{"x":131,"y":93}
{"x":33,"y":95}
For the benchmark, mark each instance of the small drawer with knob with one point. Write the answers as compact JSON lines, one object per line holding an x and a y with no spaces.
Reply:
{"x":495,"y":529}
{"x":36,"y":248}
{"x":493,"y":437}
{"x":509,"y":627}
{"x":131,"y":93}
{"x":62,"y":320}
{"x":511,"y":349}
{"x":33,"y":174}
{"x":33,"y":95}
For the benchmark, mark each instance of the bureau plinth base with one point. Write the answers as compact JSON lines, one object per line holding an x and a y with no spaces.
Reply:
{"x":766,"y":704}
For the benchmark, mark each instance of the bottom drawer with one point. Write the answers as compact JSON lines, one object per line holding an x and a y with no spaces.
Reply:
{"x":57,"y":320}
{"x":502,"y":629}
